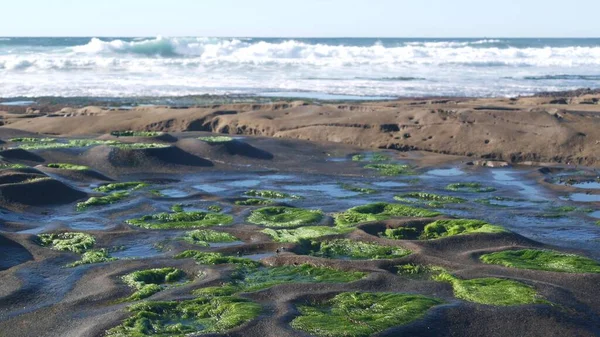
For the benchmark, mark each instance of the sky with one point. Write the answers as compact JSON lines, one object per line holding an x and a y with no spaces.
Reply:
{"x":302,"y":18}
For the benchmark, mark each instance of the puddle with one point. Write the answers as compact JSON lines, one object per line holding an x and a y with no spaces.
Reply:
{"x":209,"y":188}
{"x":174,"y":193}
{"x":17,"y":103}
{"x":278,"y":177}
{"x":592,"y":185}
{"x":595,"y":214}
{"x":389,"y":184}
{"x":337,"y":160}
{"x":258,"y":256}
{"x":583,"y":197}
{"x":244,"y":183}
{"x":507,"y":178}
{"x":86,"y":225}
{"x":451,"y":172}
{"x":333,"y":190}
{"x":138,"y":251}
{"x":225,"y":244}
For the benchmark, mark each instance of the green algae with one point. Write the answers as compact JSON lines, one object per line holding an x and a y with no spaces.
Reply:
{"x":279,"y":216}
{"x":358,"y":314}
{"x":359,"y":250}
{"x":254,"y":202}
{"x":216,"y":139}
{"x":44,"y":146}
{"x":441,"y":229}
{"x":376,"y":157}
{"x":542,"y":260}
{"x":70,"y":241}
{"x":358,"y":189}
{"x":267,"y":194}
{"x":432,"y":200}
{"x":418,"y":270}
{"x":215,"y":258}
{"x":148,"y":282}
{"x":130,"y":185}
{"x":181,"y":220}
{"x":379,"y":211}
{"x":491,"y":291}
{"x":139,"y":146}
{"x":358,"y":157}
{"x":65,"y":166}
{"x":131,"y":133}
{"x":177,"y":208}
{"x":203,"y":237}
{"x":469,"y":187}
{"x":74,"y":143}
{"x":32,"y":140}
{"x":215,"y":208}
{"x":7,"y":166}
{"x":101,"y":201}
{"x":302,"y":233}
{"x":391,"y":169}
{"x":93,"y":256}
{"x":186,"y":318}
{"x":445,"y":228}
{"x":91,"y":142}
{"x":561,"y":211}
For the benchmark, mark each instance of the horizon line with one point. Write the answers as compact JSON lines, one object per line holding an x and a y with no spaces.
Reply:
{"x":301,"y":37}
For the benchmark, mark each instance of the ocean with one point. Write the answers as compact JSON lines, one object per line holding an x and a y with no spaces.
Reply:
{"x":327,"y":68}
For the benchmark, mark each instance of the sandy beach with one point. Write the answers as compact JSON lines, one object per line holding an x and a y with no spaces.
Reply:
{"x":423,"y":197}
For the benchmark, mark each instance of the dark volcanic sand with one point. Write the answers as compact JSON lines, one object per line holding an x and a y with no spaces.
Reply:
{"x":40,"y":297}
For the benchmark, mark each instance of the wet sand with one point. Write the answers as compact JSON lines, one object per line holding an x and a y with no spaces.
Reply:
{"x":39,"y":296}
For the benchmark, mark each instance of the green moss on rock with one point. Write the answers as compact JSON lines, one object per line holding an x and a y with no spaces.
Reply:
{"x":65,"y":166}
{"x":444,"y":228}
{"x":130,"y":185}
{"x":32,"y":140}
{"x":268,"y":194}
{"x":139,"y":146}
{"x":361,"y":314}
{"x":350,"y":249}
{"x":148,"y":282}
{"x":302,"y":233}
{"x":130,"y":133}
{"x":181,"y":220}
{"x":433,"y":200}
{"x":70,"y":241}
{"x":8,"y":166}
{"x":215,"y":258}
{"x":379,"y":211}
{"x":279,"y":216}
{"x":93,"y":256}
{"x":216,"y":139}
{"x":203,"y":237}
{"x":185,"y":318}
{"x":100,"y":201}
{"x":391,"y":169}
{"x":254,"y":202}
{"x":358,"y":189}
{"x":542,"y":260}
{"x":491,"y":291}
{"x":469,"y":187}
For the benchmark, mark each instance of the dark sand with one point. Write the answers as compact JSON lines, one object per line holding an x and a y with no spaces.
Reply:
{"x":39,"y":297}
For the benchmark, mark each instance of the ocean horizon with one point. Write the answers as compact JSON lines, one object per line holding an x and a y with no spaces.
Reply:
{"x":322,"y":68}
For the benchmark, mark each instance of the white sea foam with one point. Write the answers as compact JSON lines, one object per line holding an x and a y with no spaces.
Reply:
{"x":187,"y":66}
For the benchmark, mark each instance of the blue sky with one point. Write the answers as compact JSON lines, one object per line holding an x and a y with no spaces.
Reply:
{"x":310,"y":18}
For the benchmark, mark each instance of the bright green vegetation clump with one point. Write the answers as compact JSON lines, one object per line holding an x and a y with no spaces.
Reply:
{"x":542,"y":260}
{"x":93,"y":256}
{"x":254,"y":202}
{"x":491,"y":291}
{"x":139,"y":146}
{"x":358,"y":189}
{"x":444,"y":228}
{"x":64,"y":166}
{"x":302,"y":233}
{"x":6,"y":166}
{"x":130,"y":133}
{"x":362,"y":314}
{"x":70,"y":241}
{"x":204,"y":314}
{"x":215,"y":208}
{"x":416,"y":270}
{"x":490,"y":201}
{"x":267,"y":194}
{"x":100,"y":201}
{"x":346,"y":248}
{"x":45,"y":146}
{"x":181,"y":220}
{"x":32,"y":140}
{"x":149,"y":282}
{"x":216,"y":139}
{"x":130,"y":185}
{"x":358,"y":157}
{"x":469,"y":187}
{"x":391,"y":169}
{"x":91,"y":142}
{"x":378,"y":157}
{"x":279,"y":216}
{"x":215,"y":258}
{"x":70,"y":144}
{"x":177,"y":208}
{"x":433,"y":200}
{"x":203,"y":237}
{"x":379,"y":211}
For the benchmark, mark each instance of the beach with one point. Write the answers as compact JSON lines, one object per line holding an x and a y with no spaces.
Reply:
{"x":478,"y":216}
